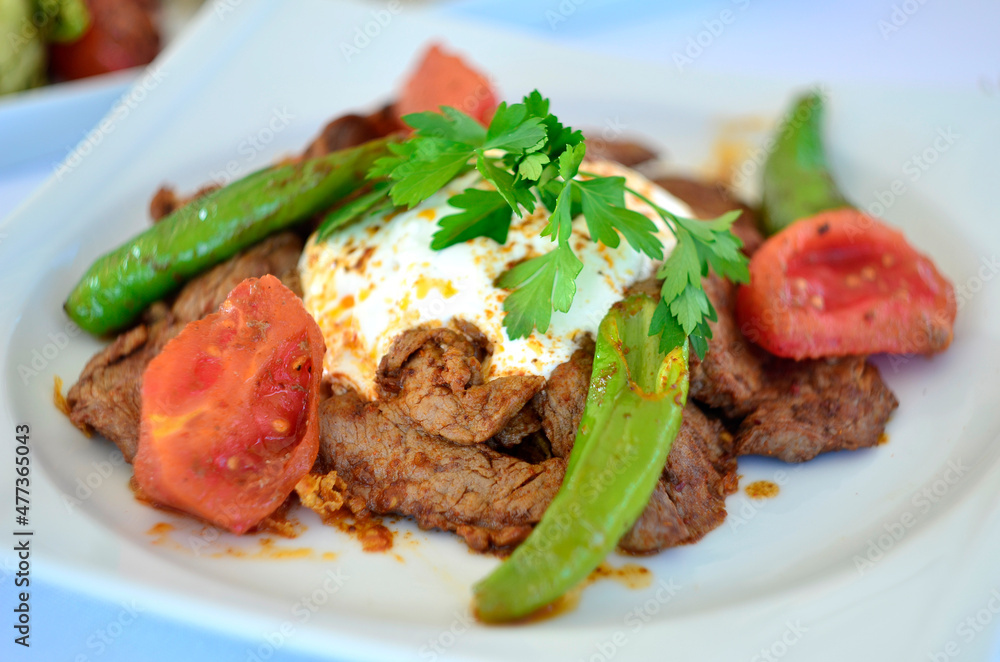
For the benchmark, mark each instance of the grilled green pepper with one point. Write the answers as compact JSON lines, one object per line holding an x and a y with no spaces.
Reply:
{"x":797,"y":180}
{"x":209,"y":230}
{"x":633,"y":412}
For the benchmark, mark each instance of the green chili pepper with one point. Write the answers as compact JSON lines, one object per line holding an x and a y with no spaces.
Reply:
{"x":634,"y":406}
{"x":209,"y":230}
{"x":797,"y":180}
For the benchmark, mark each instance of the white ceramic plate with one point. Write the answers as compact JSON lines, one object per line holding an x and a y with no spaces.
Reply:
{"x":782,"y":576}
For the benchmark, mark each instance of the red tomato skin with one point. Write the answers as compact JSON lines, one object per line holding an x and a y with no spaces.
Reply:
{"x":841,"y":283}
{"x":210,"y":443}
{"x":442,"y":79}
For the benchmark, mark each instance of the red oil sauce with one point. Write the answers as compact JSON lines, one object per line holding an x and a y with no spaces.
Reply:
{"x":761,"y":489}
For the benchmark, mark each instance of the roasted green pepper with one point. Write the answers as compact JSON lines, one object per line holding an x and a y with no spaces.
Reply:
{"x":633,"y":412}
{"x":119,"y":285}
{"x":797,"y":180}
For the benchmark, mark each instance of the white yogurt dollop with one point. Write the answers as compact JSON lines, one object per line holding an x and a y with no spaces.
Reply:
{"x":370,"y":282}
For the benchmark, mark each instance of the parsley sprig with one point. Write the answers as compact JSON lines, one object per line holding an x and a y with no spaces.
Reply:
{"x":530,"y":158}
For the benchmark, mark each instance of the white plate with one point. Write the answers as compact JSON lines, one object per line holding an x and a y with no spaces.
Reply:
{"x":779,"y":576}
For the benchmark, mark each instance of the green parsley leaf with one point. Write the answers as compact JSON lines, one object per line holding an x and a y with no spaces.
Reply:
{"x":570,"y":160}
{"x":539,"y":159}
{"x":486,"y":214}
{"x":699,"y":340}
{"x":560,"y":224}
{"x":531,"y":166}
{"x":512,"y":129}
{"x":515,"y":196}
{"x":543,"y":283}
{"x":429,"y":124}
{"x":690,"y":307}
{"x":719,"y":247}
{"x":681,"y":268}
{"x":384,"y":166}
{"x":603,"y":203}
{"x":558,"y":137}
{"x":549,"y":187}
{"x":671,"y":333}
{"x":435,"y":163}
{"x":536,"y":104}
{"x":450,"y":124}
{"x":701,"y":245}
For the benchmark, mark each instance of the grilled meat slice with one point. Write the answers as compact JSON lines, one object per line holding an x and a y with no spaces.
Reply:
{"x":525,"y":423}
{"x":432,"y":378}
{"x":107,"y":396}
{"x":815,"y":407}
{"x":490,"y":499}
{"x":690,"y":498}
{"x":658,"y":527}
{"x":732,"y":374}
{"x":791,"y":410}
{"x":352,"y":130}
{"x":560,"y":404}
{"x":626,"y":152}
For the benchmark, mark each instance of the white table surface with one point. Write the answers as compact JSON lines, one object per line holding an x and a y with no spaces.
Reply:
{"x":946,"y":45}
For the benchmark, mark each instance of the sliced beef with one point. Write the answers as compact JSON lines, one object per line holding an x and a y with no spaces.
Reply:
{"x":432,"y":378}
{"x":711,"y":201}
{"x":490,"y":499}
{"x":165,"y":201}
{"x":277,"y":255}
{"x":816,"y":407}
{"x":107,"y":396}
{"x":352,"y":130}
{"x":792,"y":410}
{"x":690,"y":498}
{"x":731,"y":375}
{"x":341,"y":133}
{"x":658,"y":527}
{"x":699,"y":480}
{"x":533,"y":448}
{"x":523,"y":424}
{"x":560,"y":404}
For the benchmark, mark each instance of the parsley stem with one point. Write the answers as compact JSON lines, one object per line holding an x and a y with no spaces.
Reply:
{"x":667,"y":217}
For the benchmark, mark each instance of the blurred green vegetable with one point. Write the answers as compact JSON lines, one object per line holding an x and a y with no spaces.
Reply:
{"x":26,"y":26}
{"x":68,"y":19}
{"x":797,"y":180}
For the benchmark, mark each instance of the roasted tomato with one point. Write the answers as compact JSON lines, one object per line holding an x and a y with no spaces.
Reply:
{"x":122,"y":34}
{"x":841,"y":283}
{"x":446,"y":80}
{"x":229,"y":408}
